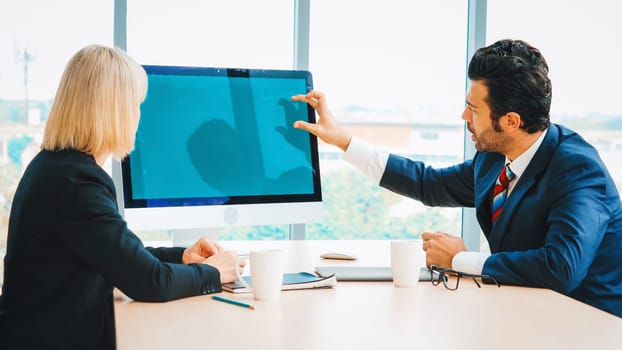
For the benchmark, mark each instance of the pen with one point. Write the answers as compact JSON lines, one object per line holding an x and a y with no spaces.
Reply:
{"x":234,"y":302}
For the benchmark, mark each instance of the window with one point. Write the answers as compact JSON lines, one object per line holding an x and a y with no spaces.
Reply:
{"x":581,"y":43}
{"x":393,"y":72}
{"x":234,"y":34}
{"x":36,"y":41}
{"x":396,"y":85}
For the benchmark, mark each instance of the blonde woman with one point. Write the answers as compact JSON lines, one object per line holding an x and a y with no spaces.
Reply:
{"x":68,"y":247}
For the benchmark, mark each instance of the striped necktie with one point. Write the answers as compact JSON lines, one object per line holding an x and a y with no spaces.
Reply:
{"x":500,"y":191}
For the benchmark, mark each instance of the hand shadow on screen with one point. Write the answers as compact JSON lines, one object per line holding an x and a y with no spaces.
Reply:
{"x":291,"y":134}
{"x":210,"y":150}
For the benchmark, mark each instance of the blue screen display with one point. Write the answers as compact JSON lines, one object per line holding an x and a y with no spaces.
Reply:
{"x":206,"y":136}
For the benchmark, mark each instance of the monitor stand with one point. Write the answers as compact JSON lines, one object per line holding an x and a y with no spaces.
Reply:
{"x":187,"y":237}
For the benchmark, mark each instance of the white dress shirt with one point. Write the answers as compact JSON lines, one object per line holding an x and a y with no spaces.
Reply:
{"x":372,"y":162}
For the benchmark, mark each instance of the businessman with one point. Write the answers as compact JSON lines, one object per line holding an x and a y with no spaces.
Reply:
{"x":543,"y":197}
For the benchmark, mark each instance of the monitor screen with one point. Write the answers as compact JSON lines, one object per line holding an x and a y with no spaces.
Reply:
{"x":216,"y":147}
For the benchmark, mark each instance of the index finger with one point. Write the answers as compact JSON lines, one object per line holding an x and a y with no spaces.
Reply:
{"x":210,"y":247}
{"x":426,"y":236}
{"x":299,"y":98}
{"x":312,"y":97}
{"x":313,"y":102}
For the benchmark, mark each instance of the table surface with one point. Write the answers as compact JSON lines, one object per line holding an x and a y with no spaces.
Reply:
{"x":367,"y":315}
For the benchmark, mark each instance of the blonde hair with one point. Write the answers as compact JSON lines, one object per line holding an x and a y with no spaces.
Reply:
{"x":97,"y":105}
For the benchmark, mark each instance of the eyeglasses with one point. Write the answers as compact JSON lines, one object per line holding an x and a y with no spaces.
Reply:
{"x":439,"y":274}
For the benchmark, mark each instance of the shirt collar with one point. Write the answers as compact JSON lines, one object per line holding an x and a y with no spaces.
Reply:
{"x":519,"y":164}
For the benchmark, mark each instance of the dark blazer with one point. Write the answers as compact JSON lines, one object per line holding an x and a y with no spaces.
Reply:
{"x":68,"y":247}
{"x":560,"y":228}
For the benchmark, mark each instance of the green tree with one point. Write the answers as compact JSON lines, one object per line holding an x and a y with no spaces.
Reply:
{"x":357,"y":208}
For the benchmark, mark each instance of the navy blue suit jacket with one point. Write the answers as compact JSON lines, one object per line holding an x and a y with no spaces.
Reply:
{"x":560,"y":228}
{"x":68,"y":247}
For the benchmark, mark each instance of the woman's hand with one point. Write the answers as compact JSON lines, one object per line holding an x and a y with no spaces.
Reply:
{"x":227,"y":263}
{"x":201,"y":250}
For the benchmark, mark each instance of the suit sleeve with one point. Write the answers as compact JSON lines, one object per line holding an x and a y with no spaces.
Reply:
{"x":94,"y":231}
{"x":172,"y":255}
{"x":576,"y":224}
{"x":448,"y":187}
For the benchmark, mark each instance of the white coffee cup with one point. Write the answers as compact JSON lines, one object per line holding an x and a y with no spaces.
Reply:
{"x":406,"y":261}
{"x":267,"y":273}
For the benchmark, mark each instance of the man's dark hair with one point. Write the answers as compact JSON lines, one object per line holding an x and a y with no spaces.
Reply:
{"x":516,"y":75}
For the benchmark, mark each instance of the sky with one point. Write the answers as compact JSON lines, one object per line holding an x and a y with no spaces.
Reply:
{"x":52,"y":31}
{"x":391,"y":57}
{"x":581,"y":41}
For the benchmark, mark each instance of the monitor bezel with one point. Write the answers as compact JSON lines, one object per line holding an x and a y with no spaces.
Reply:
{"x":132,"y":203}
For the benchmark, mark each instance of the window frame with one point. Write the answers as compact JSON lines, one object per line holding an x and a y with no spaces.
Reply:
{"x":476,"y":38}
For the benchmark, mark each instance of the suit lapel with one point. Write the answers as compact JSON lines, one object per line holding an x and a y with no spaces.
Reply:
{"x":537,"y":165}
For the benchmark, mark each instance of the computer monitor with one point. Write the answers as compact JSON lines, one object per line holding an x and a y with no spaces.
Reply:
{"x":216,"y":147}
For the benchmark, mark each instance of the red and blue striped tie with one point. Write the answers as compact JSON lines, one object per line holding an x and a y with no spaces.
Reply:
{"x":500,"y":191}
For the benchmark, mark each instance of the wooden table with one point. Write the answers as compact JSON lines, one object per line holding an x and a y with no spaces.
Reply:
{"x":368,"y":315}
